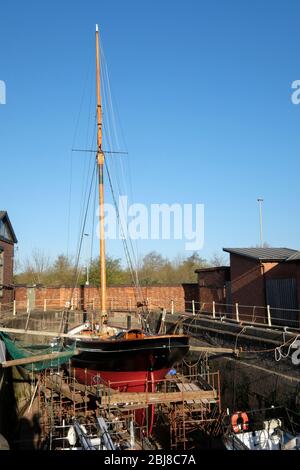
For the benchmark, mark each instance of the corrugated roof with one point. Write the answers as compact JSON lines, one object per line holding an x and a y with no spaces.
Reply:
{"x":264,"y":254}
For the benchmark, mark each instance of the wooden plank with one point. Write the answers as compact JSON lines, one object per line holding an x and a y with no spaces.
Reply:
{"x":189,"y":387}
{"x":92,"y":389}
{"x":52,"y":334}
{"x":36,"y":358}
{"x":157,"y":397}
{"x":211,"y":350}
{"x":60,"y":387}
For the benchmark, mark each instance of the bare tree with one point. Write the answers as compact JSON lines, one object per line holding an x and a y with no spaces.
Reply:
{"x":218,"y":259}
{"x":35,"y":268}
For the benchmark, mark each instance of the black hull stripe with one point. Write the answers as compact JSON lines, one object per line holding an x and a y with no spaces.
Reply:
{"x":169,"y":348}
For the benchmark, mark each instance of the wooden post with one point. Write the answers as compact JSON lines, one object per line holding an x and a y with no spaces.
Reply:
{"x":269,"y":315}
{"x":72,"y":304}
{"x":214,"y":309}
{"x":27,"y":319}
{"x":162,"y":325}
{"x":100,"y":162}
{"x":45,"y":305}
{"x":14,"y":308}
{"x":237,"y":312}
{"x":193,"y":307}
{"x":172,"y":307}
{"x":37,"y":358}
{"x":27,"y":306}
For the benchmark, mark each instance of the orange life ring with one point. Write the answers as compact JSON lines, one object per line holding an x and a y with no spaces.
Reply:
{"x":241,"y":426}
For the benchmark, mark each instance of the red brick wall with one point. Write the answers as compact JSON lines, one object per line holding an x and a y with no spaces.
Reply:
{"x":117,"y":296}
{"x":191,"y":293}
{"x":247,"y":286}
{"x":8,"y":250}
{"x":212,"y":287}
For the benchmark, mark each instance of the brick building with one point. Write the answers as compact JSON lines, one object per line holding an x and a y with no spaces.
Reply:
{"x":7,"y":242}
{"x":266,"y":276}
{"x":212,"y":286}
{"x":255,"y":279}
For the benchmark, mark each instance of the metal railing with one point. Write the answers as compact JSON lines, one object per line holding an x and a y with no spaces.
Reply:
{"x":253,"y":314}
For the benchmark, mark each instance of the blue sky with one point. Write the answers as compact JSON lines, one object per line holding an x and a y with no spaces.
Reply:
{"x":203,"y":94}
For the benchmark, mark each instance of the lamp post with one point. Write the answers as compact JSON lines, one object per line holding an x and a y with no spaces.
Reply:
{"x":260,"y":201}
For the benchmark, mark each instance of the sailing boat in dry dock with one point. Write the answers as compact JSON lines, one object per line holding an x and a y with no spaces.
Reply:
{"x":131,"y":359}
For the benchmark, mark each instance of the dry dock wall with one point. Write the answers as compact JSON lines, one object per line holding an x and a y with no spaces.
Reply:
{"x":254,"y":379}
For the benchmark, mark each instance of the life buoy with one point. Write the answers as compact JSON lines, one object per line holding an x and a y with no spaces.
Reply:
{"x":240,"y":421}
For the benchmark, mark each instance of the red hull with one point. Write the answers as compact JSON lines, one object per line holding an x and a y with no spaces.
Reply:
{"x":124,"y":381}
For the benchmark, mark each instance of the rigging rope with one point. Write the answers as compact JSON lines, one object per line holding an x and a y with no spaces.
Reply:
{"x":111,"y":135}
{"x":76,"y":270}
{"x":127,"y":254}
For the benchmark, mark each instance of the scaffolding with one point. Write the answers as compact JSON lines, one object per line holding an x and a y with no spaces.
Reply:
{"x":186,"y":401}
{"x":199,"y":410}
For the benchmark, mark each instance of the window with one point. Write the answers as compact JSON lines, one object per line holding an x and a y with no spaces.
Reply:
{"x":4,"y":231}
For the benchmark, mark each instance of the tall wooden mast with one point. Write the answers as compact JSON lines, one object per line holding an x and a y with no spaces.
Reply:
{"x":100,"y":161}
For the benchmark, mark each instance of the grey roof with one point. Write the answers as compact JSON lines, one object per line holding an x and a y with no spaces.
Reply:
{"x":5,"y":218}
{"x":294,"y":257}
{"x":264,"y":254}
{"x":213,"y":268}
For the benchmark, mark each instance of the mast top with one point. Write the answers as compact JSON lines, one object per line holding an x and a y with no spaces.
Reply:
{"x":97,"y":28}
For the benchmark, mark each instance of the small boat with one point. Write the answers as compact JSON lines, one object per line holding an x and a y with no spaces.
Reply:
{"x":126,"y":360}
{"x":271,"y":434}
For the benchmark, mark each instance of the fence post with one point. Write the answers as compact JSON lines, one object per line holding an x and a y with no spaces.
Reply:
{"x":27,"y":306}
{"x":14,"y":308}
{"x":214,"y":309}
{"x":237,"y":312}
{"x":45,"y":305}
{"x":162,"y":329}
{"x":172,"y":306}
{"x":269,"y":315}
{"x":193,"y":307}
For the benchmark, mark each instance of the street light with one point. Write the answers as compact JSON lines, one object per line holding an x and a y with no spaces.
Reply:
{"x":260,"y":201}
